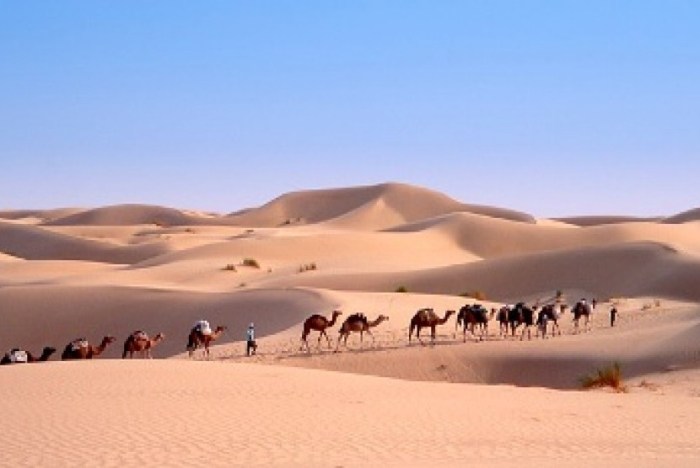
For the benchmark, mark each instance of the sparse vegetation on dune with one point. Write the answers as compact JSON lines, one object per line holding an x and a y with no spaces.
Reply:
{"x":608,"y":376}
{"x":401,"y":289}
{"x":250,"y":262}
{"x":308,"y":267}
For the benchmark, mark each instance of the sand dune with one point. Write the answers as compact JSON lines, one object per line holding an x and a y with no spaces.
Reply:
{"x":43,"y":315}
{"x":36,"y":243}
{"x":685,"y":217}
{"x":66,"y":274}
{"x":586,"y":221}
{"x":38,"y":215}
{"x":131,"y":214}
{"x":635,"y":269}
{"x":171,"y":413}
{"x":364,"y":207}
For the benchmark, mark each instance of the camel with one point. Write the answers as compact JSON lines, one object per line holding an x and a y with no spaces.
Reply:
{"x":80,"y":348}
{"x":139,"y":342}
{"x":427,"y":318}
{"x":527,"y":318}
{"x":502,"y":318}
{"x":319,"y":323}
{"x":198,"y":339}
{"x":19,"y":356}
{"x":548,"y":314}
{"x":471,"y":316}
{"x":358,"y":323}
{"x":515,"y":317}
{"x":581,"y":309}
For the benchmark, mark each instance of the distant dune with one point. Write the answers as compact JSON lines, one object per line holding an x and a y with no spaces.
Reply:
{"x":685,"y":217}
{"x":370,"y":207}
{"x":607,"y":219}
{"x":124,"y":215}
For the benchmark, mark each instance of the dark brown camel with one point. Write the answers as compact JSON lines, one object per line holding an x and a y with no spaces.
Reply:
{"x":198,"y":339}
{"x":582,"y":309}
{"x":470,"y":316}
{"x":358,"y":323}
{"x":19,"y":356}
{"x":318,"y":323}
{"x":139,"y":342}
{"x":427,"y":318}
{"x":548,"y":314}
{"x":80,"y":348}
{"x":502,"y":318}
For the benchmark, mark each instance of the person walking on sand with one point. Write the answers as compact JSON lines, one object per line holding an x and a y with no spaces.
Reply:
{"x":251,"y":346}
{"x":613,"y":316}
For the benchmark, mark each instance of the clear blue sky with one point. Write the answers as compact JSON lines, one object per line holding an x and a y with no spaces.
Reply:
{"x":551,"y":107}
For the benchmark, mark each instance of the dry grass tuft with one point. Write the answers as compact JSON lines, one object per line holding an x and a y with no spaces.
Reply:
{"x":609,"y":376}
{"x":250,"y":262}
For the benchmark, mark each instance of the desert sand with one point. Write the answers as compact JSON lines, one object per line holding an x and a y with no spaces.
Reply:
{"x":67,"y":273}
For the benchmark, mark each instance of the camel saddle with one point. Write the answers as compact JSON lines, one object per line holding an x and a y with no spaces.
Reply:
{"x":140,"y":335}
{"x":78,"y":344}
{"x":18,"y":355}
{"x":203,"y":327}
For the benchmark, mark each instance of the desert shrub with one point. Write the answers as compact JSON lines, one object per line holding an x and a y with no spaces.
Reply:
{"x":401,"y":289}
{"x":230,"y":267}
{"x":251,"y":262}
{"x":608,"y":376}
{"x":478,"y":295}
{"x":307,"y":267}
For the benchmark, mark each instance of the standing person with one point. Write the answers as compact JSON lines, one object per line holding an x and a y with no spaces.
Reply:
{"x":594,"y":303}
{"x":613,"y":316}
{"x":250,"y":346}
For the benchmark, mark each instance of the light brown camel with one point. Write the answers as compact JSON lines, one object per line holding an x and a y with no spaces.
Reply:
{"x":19,"y":356}
{"x":139,"y":342}
{"x":80,"y":348}
{"x":427,"y":318}
{"x":358,"y":323}
{"x":318,"y":323}
{"x":198,"y":339}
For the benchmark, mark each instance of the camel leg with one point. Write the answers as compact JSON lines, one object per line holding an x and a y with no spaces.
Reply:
{"x":327,"y":339}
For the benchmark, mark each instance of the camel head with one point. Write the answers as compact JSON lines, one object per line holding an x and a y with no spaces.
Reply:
{"x":109,"y":339}
{"x":449,"y":313}
{"x":336,"y":313}
{"x":159,"y":337}
{"x":46,"y":353}
{"x":382,"y":318}
{"x":220,"y":329}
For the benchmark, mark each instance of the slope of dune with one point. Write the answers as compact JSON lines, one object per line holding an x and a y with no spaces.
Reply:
{"x":632,"y":269}
{"x":402,"y":203}
{"x":684,"y":217}
{"x":130,"y":214}
{"x":489,"y":237}
{"x":36,"y":243}
{"x":585,"y":221}
{"x":194,"y":413}
{"x":39,"y":215}
{"x":41,"y":315}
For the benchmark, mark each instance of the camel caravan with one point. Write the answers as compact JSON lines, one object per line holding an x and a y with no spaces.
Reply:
{"x":515,"y":321}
